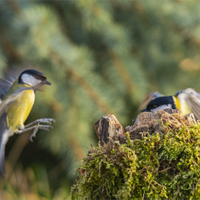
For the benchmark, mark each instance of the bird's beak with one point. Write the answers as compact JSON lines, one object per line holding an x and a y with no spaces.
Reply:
{"x":47,"y":82}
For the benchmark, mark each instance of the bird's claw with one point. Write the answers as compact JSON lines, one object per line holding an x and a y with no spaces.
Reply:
{"x":38,"y":121}
{"x":34,"y":133}
{"x":43,"y":127}
{"x":46,"y":120}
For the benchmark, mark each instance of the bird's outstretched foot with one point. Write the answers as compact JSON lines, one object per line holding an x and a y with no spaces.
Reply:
{"x":35,"y":125}
{"x":42,"y":120}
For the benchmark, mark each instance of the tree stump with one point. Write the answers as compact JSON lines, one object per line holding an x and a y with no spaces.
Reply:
{"x":162,"y":165}
{"x":108,"y":127}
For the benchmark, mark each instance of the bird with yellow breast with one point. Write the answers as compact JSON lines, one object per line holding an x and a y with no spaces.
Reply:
{"x":16,"y":103}
{"x":188,"y":101}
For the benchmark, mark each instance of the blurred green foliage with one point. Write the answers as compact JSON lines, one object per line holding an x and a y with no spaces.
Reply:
{"x":102,"y":57}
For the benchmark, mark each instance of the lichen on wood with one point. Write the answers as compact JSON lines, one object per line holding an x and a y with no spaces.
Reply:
{"x":161,"y":161}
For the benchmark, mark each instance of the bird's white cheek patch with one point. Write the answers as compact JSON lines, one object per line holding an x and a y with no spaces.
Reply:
{"x":162,"y":107}
{"x":30,"y":80}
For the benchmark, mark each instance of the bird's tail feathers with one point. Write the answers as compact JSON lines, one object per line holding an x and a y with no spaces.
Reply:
{"x":3,"y":140}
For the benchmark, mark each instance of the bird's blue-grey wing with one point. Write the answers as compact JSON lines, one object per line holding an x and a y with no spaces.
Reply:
{"x":4,"y":87}
{"x":10,"y":75}
{"x":148,"y":98}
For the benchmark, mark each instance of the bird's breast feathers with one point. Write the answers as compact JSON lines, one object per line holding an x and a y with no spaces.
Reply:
{"x":18,"y":111}
{"x":177,"y":102}
{"x":182,"y":104}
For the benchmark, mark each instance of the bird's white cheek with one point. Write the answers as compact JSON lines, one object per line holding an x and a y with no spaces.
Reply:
{"x":30,"y":80}
{"x":162,"y":107}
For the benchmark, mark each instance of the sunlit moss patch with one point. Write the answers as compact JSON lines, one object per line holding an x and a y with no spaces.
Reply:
{"x":162,"y":165}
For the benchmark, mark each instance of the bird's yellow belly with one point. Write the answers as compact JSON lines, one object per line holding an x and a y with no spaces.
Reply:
{"x":182,"y":105}
{"x":19,"y":110}
{"x":185,"y":108}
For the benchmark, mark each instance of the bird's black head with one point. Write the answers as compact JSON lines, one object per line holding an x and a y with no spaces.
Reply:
{"x":33,"y":78}
{"x":160,"y":103}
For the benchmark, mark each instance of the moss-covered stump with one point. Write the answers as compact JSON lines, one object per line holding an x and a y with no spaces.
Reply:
{"x":164,"y":164}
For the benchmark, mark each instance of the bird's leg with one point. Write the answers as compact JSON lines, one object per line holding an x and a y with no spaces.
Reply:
{"x":35,"y":125}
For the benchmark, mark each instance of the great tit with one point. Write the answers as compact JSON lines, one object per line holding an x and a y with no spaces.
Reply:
{"x":16,"y":103}
{"x":188,"y":101}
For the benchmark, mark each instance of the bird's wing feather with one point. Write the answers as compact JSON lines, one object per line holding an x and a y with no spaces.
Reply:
{"x":148,"y":98}
{"x":4,"y":87}
{"x":10,"y":75}
{"x":193,"y":101}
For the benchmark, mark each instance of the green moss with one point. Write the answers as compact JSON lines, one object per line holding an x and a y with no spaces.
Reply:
{"x":157,"y":166}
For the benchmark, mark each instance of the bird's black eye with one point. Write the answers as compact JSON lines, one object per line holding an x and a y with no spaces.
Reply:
{"x":151,"y":107}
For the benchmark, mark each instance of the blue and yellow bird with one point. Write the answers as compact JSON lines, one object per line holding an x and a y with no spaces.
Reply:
{"x":16,"y":103}
{"x":188,"y":101}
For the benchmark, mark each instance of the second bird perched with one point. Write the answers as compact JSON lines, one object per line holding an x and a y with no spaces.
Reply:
{"x":16,"y":105}
{"x":188,"y":101}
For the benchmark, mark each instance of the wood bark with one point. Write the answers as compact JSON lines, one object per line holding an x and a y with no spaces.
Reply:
{"x":108,"y":127}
